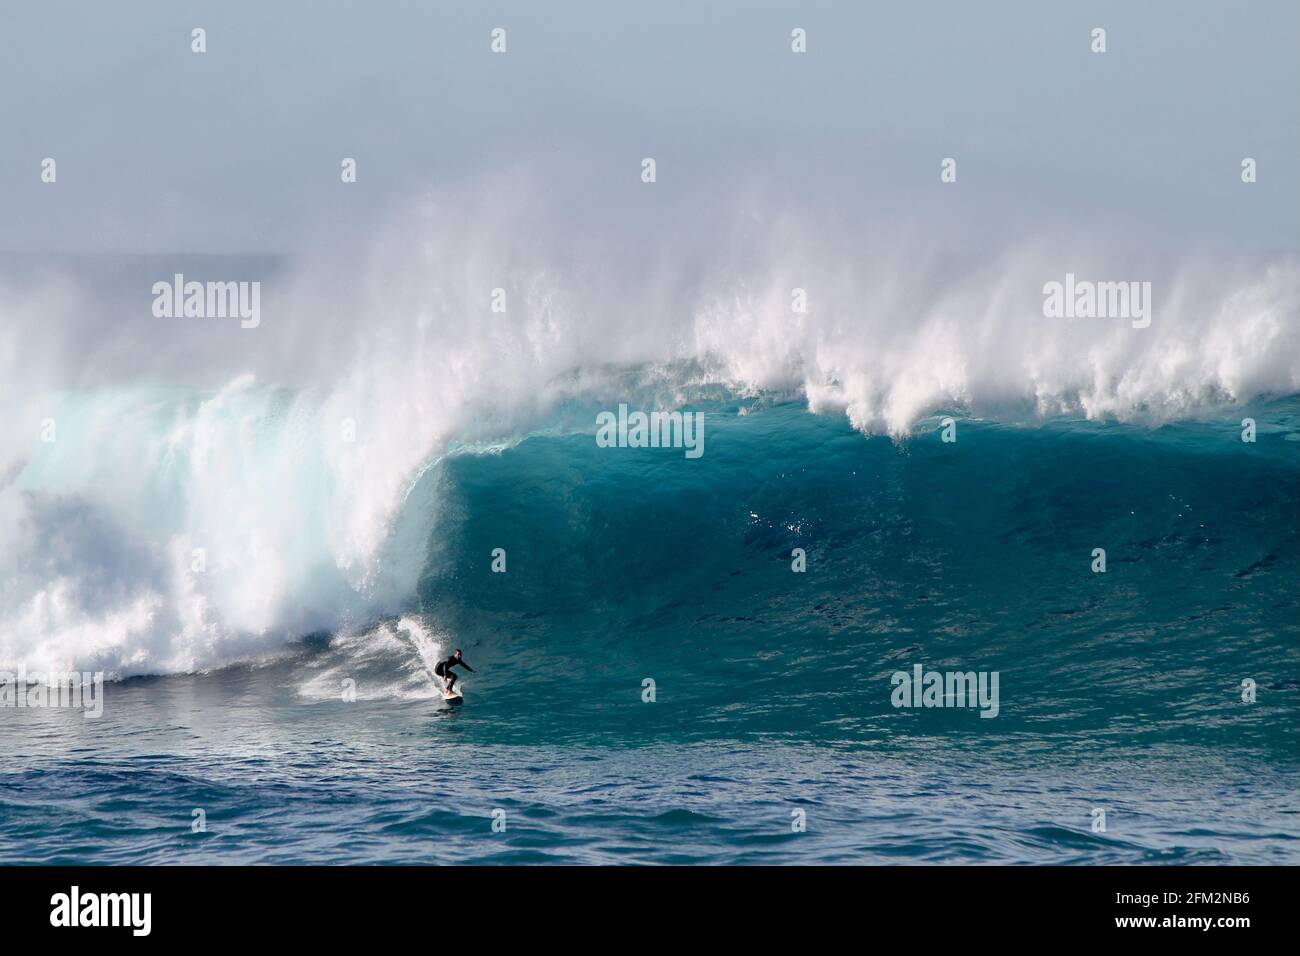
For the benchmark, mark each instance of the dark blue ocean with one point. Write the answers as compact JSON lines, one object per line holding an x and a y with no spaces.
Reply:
{"x":771,"y":737}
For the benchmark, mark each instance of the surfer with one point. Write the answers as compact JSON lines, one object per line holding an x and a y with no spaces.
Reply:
{"x":444,"y":670}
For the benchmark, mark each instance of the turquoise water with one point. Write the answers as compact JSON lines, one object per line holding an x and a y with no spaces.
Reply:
{"x":1119,"y":691}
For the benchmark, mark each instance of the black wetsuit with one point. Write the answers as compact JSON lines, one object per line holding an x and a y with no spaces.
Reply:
{"x":444,"y":670}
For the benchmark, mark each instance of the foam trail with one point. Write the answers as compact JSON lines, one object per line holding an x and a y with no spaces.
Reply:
{"x":375,"y":663}
{"x":430,"y":650}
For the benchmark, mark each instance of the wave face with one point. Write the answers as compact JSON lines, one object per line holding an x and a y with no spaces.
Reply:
{"x":626,"y":564}
{"x":291,"y":479}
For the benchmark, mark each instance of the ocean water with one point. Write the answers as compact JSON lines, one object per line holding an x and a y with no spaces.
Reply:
{"x":1118,"y":691}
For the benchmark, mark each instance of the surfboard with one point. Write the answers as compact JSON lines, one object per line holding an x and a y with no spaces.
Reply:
{"x":454,"y":698}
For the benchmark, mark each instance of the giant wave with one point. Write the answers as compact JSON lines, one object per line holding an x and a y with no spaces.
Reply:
{"x":182,"y":521}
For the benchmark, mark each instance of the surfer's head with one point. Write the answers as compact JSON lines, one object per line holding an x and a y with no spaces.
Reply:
{"x":458,"y":652}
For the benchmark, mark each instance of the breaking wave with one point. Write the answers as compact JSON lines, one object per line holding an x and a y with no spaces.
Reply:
{"x":240,"y":489}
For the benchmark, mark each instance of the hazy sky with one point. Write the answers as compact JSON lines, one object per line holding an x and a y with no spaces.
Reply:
{"x":238,"y":149}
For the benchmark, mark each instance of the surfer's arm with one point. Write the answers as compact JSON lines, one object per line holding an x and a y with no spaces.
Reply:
{"x":467,"y":667}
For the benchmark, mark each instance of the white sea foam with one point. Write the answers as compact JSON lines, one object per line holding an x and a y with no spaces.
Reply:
{"x":375,"y":663}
